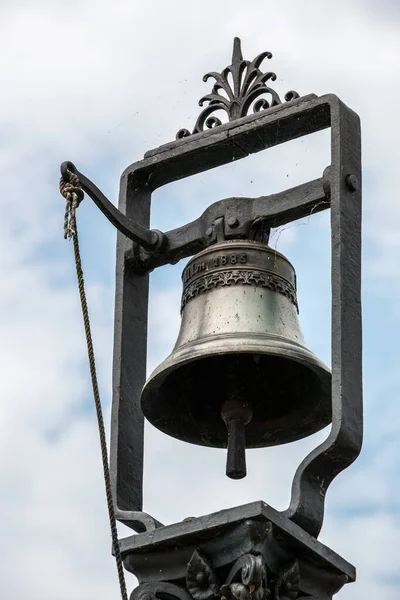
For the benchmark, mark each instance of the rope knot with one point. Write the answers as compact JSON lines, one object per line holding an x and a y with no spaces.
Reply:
{"x":73,"y":194}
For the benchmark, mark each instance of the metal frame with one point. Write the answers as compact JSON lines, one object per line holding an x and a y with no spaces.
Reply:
{"x":341,"y":188}
{"x":140,"y":250}
{"x":253,"y":551}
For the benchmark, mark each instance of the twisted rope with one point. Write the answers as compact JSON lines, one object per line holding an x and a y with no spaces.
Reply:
{"x":73,"y":194}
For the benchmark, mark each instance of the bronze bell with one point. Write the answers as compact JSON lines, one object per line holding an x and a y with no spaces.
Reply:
{"x":240,"y":374}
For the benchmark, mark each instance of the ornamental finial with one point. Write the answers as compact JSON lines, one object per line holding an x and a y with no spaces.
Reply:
{"x":237,"y":56}
{"x":240,"y":97}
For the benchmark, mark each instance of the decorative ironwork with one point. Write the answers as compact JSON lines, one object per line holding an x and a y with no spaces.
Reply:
{"x":253,"y":579}
{"x":245,"y":553}
{"x":247,"y":580}
{"x":245,"y":277}
{"x":287,"y":586}
{"x":242,"y":84}
{"x":253,"y":584}
{"x":159,"y":590}
{"x":200,"y":579}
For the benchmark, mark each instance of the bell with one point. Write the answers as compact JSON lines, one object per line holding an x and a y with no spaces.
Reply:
{"x":240,"y":374}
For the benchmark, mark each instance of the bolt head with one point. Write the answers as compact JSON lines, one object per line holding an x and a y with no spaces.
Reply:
{"x":288,"y":586}
{"x":233,"y":222}
{"x":352,"y":183}
{"x":201,"y":579}
{"x":209,"y":232}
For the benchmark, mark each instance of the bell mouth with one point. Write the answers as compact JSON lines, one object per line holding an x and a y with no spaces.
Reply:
{"x":287,"y":386}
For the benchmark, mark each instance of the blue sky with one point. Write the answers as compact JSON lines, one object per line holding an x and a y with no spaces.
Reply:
{"x":100,"y":84}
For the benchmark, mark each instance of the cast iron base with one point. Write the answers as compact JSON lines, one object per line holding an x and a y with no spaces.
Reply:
{"x":251,"y":552}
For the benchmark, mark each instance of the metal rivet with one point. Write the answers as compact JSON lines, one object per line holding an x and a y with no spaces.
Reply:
{"x":233,"y":222}
{"x":209,"y":232}
{"x":352,"y":183}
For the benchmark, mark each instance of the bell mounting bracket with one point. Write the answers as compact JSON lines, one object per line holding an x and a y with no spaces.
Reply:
{"x":230,"y":218}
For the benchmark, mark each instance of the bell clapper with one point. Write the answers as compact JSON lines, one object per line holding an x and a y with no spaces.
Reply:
{"x":237,"y":415}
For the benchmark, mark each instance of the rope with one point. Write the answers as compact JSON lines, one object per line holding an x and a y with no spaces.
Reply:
{"x":73,"y":195}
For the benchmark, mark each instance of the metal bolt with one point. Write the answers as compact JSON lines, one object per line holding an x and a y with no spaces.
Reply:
{"x":352,"y":183}
{"x":233,"y":222}
{"x":209,"y":232}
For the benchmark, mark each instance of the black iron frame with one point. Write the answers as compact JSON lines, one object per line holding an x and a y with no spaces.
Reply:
{"x":140,"y":250}
{"x":293,"y":533}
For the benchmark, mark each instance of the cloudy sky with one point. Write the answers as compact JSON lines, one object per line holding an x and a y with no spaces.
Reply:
{"x":99,"y":84}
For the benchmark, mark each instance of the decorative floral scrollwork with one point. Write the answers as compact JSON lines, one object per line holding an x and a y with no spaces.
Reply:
{"x":248,"y":579}
{"x":203,"y":584}
{"x":245,"y":277}
{"x":242,"y":84}
{"x":160,"y":590}
{"x":253,"y":579}
{"x":287,"y":585}
{"x":200,"y":579}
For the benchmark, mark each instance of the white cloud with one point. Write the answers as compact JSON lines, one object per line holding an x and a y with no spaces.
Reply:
{"x":100,"y":85}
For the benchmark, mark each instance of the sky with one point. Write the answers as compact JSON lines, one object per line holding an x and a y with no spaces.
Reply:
{"x":100,"y":84}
